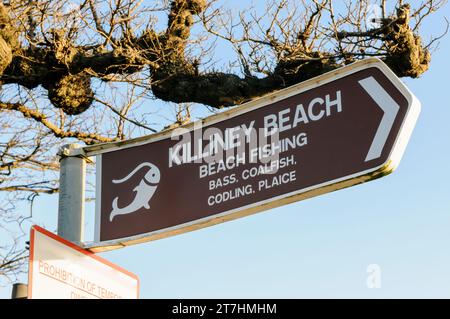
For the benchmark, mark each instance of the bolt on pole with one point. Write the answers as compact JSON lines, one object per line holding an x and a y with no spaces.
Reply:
{"x":71,"y":194}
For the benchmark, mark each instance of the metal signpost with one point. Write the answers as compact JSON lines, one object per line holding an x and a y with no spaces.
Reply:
{"x":58,"y":269}
{"x":340,"y":129}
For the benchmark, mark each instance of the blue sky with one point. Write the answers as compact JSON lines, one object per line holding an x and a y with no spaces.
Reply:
{"x":321,"y":247}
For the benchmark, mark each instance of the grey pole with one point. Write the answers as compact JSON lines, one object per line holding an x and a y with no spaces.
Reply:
{"x":19,"y":291}
{"x":71,"y":194}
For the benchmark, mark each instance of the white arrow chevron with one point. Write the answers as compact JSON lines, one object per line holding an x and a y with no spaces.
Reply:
{"x":390,"y":109}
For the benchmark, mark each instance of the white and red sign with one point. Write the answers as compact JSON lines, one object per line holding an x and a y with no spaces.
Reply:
{"x":59,"y":269}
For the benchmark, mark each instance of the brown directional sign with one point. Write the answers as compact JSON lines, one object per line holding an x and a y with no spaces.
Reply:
{"x":337,"y":130}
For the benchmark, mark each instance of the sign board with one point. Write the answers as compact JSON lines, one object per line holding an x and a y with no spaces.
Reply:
{"x":59,"y":269}
{"x":342,"y":128}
